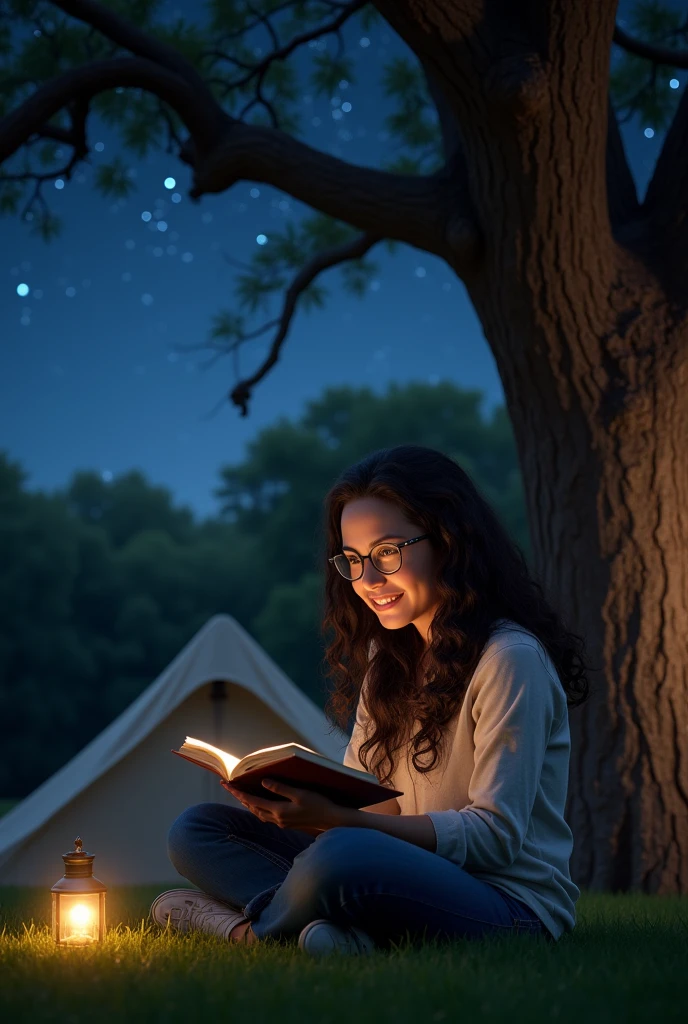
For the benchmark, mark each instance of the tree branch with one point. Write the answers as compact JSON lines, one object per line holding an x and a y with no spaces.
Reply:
{"x":657,"y":54}
{"x":410,"y":208}
{"x":131,"y":38}
{"x":259,"y":71}
{"x":56,"y":134}
{"x":81,"y":84}
{"x":222,"y":150}
{"x":276,"y":9}
{"x":355,"y":249}
{"x":285,"y":51}
{"x":75,"y":137}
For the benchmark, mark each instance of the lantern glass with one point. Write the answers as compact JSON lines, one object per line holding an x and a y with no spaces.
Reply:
{"x":78,"y":912}
{"x":77,"y":917}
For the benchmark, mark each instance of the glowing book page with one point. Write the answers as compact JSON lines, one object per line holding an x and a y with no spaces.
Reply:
{"x":209,"y":755}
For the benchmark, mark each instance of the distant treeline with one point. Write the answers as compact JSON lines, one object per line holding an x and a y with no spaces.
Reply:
{"x":101,"y":584}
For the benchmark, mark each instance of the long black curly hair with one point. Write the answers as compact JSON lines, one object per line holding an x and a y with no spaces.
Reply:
{"x":483,"y":577}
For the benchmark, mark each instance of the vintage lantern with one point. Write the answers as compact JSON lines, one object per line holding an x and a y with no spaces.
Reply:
{"x":78,"y":901}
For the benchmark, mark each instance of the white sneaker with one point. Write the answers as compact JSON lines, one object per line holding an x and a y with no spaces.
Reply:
{"x":322,"y":937}
{"x":189,"y":909}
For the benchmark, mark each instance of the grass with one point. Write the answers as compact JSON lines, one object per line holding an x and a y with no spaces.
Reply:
{"x":626,"y":962}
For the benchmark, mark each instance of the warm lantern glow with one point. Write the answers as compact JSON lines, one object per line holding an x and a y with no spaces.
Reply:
{"x":79,"y":916}
{"x":78,"y":919}
{"x":78,"y":901}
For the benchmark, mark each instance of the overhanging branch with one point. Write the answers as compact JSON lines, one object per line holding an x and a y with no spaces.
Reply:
{"x":657,"y":54}
{"x":432,"y":213}
{"x":75,"y":136}
{"x":81,"y":84}
{"x":408,"y":208}
{"x":131,"y":38}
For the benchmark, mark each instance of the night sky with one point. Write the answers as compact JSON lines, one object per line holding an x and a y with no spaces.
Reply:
{"x":90,"y":375}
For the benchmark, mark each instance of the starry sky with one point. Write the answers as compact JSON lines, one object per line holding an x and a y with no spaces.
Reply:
{"x":91,"y":325}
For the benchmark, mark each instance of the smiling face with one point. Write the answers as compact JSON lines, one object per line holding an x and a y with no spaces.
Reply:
{"x":365,"y":522}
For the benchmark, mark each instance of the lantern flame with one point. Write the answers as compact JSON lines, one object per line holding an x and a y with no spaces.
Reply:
{"x":80,"y":915}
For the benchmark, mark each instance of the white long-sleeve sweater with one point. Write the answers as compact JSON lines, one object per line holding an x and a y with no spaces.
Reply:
{"x":497,"y":798}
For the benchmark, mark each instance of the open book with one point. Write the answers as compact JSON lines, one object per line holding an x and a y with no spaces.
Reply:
{"x":292,"y":764}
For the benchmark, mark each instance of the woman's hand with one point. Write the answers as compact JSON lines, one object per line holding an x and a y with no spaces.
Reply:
{"x":303,"y":810}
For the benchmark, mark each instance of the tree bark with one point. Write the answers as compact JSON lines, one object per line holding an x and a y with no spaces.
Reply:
{"x":593,"y":357}
{"x":606,"y":484}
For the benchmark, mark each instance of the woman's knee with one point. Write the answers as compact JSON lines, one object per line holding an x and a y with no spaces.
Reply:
{"x":347,"y":841}
{"x":195,"y":823}
{"x":335,"y":856}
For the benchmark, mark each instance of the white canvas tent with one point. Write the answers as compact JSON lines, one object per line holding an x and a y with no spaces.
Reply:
{"x":122,"y":792}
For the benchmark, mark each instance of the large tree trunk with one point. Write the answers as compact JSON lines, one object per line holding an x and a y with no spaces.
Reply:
{"x":593,"y":357}
{"x":606,"y":479}
{"x":594,"y":362}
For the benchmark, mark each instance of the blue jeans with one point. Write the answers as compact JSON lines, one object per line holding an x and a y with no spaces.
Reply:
{"x":283,"y":878}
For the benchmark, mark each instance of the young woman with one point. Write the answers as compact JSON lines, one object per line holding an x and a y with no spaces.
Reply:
{"x":461,"y":675}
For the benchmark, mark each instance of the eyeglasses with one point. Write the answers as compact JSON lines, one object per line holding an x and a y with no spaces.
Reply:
{"x":385,"y":556}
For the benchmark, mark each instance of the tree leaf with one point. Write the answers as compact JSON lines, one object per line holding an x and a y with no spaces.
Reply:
{"x":654,"y":21}
{"x":47,"y":225}
{"x":357,"y":275}
{"x":313,"y":297}
{"x":114,"y":180}
{"x":11,"y":193}
{"x":227,"y":326}
{"x":328,"y":71}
